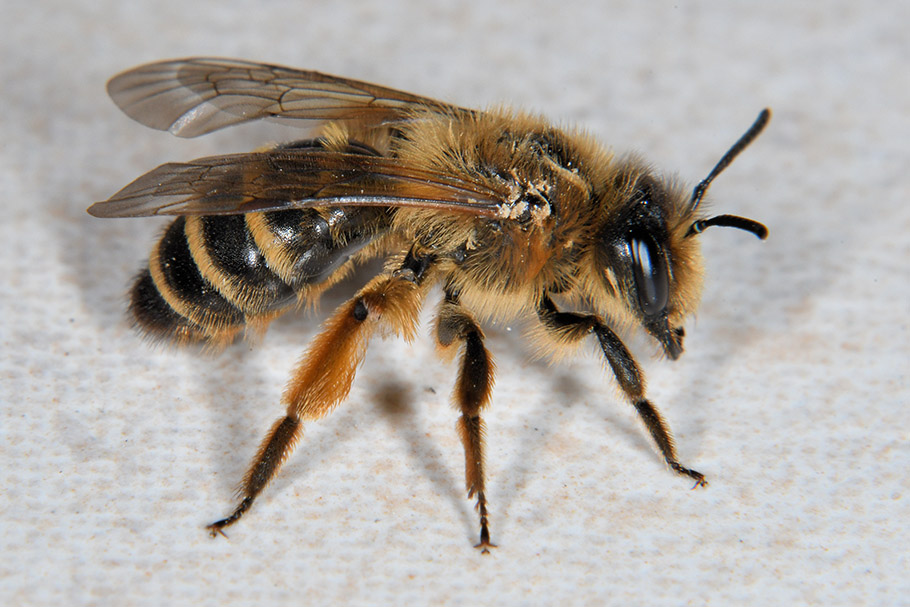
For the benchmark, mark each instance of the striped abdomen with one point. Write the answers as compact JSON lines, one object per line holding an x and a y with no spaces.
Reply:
{"x":210,"y":276}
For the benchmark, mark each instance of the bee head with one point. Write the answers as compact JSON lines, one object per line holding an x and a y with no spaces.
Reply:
{"x":645,"y":263}
{"x":647,"y":257}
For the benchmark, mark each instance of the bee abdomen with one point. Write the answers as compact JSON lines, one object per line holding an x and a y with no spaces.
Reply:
{"x":209,"y":276}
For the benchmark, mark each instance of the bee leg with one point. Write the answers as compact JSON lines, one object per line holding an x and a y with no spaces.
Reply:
{"x":322,"y":380}
{"x":455,"y":326}
{"x":570,"y":327}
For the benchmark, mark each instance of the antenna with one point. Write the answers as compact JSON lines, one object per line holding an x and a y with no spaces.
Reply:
{"x":748,"y":137}
{"x":730,"y":221}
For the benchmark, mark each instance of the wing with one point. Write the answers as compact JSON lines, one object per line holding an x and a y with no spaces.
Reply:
{"x":191,"y":97}
{"x":282,"y":179}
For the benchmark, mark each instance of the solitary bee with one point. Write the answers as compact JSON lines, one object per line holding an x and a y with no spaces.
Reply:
{"x":508,"y":214}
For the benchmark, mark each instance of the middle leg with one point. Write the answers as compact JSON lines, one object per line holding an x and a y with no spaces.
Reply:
{"x":472,"y":393}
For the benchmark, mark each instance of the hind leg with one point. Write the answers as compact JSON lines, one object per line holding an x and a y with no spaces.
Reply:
{"x":324,"y":375}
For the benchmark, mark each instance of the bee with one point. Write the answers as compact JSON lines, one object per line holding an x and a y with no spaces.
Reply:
{"x":509,"y":215}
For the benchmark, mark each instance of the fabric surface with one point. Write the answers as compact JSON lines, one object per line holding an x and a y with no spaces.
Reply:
{"x":791,"y":396}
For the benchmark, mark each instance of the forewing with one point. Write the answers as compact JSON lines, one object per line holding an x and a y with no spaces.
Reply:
{"x":191,"y":97}
{"x":294,"y":179}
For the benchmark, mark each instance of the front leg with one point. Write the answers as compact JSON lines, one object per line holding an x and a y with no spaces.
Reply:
{"x":455,"y":326}
{"x":569,"y":327}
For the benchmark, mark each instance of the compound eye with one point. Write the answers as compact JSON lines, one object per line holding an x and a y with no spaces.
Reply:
{"x":651,"y":279}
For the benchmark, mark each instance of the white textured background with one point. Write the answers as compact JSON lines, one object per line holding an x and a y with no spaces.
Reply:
{"x":791,"y":396}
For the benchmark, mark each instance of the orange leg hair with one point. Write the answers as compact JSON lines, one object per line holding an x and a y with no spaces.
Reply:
{"x":456,"y":326}
{"x":322,"y":380}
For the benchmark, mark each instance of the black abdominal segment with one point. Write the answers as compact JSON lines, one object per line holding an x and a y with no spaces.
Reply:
{"x":317,"y":242}
{"x":171,"y":297}
{"x":236,"y":263}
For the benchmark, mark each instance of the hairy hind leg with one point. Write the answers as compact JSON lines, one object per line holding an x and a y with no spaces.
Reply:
{"x":324,"y":375}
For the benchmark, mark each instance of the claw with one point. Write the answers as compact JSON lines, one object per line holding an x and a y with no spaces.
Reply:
{"x":217,"y":528}
{"x":484,"y":546}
